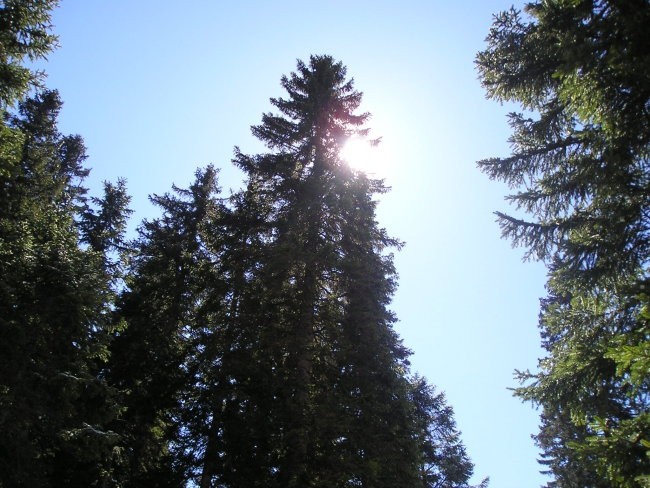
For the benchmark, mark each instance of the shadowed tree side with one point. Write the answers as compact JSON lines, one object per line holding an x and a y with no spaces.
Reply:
{"x":56,"y":294}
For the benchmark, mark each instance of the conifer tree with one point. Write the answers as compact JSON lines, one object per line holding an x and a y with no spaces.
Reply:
{"x":580,"y":166}
{"x":56,"y":297}
{"x":336,"y":391}
{"x":313,"y":379}
{"x":150,"y":356}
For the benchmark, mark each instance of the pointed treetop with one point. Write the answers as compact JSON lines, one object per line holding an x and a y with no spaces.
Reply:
{"x":319,"y":110}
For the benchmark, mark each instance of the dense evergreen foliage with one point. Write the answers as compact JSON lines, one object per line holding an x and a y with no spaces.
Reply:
{"x":58,"y":275}
{"x":581,"y":70}
{"x":24,"y":36}
{"x":238,"y":341}
{"x":56,"y":298}
{"x":158,"y":309}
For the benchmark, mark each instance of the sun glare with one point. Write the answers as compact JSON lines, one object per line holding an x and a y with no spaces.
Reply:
{"x":362,"y":155}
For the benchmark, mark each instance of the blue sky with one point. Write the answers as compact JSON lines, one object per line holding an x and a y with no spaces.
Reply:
{"x":159,"y":88}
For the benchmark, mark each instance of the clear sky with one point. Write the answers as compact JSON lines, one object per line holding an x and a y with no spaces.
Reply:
{"x":158,"y":88}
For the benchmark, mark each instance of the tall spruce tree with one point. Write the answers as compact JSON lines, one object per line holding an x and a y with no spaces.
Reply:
{"x":580,"y":161}
{"x":312,"y":379}
{"x":168,"y":281}
{"x":336,"y":388}
{"x":56,"y":297}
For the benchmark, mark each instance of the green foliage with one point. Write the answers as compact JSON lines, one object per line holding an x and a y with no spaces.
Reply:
{"x":55,"y":297}
{"x":444,"y":461}
{"x":24,"y":36}
{"x":580,"y":166}
{"x":165,"y":287}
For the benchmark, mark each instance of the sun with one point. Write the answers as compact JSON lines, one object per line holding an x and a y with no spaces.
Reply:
{"x":362,"y":154}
